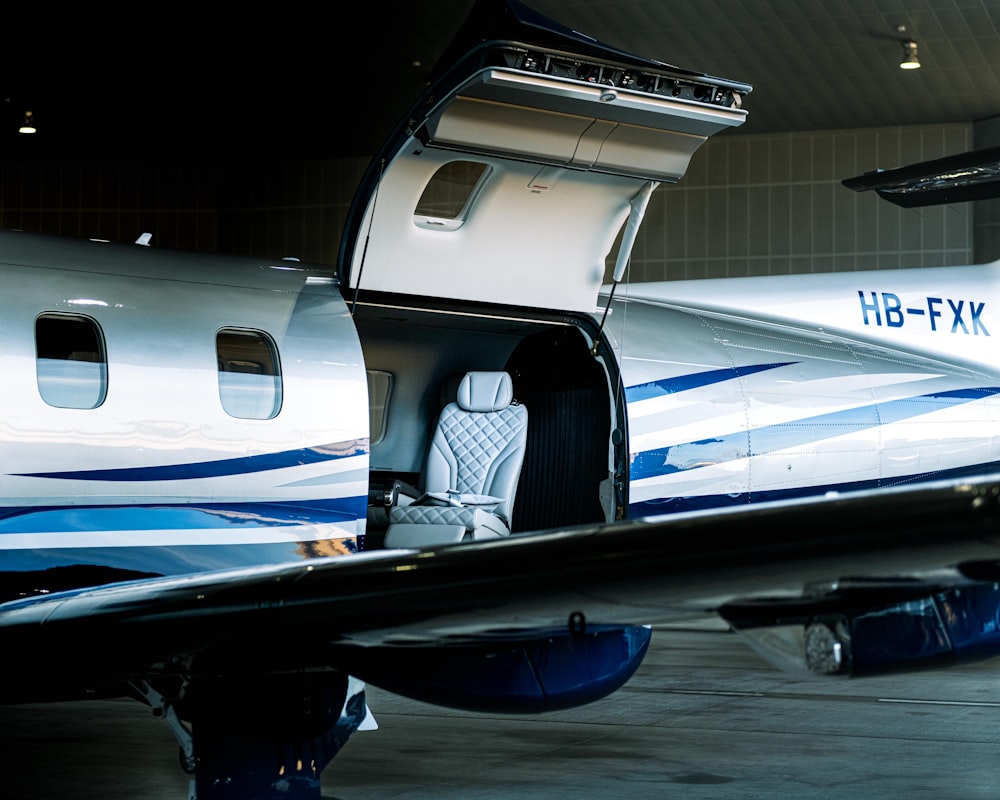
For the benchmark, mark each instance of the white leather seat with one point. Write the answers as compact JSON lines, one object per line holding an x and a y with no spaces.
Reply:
{"x":472,"y":468}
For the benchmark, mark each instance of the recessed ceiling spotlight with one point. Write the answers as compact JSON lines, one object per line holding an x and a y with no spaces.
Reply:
{"x":29,"y":124}
{"x":910,"y":60}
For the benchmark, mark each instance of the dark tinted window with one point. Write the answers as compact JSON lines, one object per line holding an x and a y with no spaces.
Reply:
{"x":71,"y":363}
{"x":249,"y":374}
{"x":446,"y":199}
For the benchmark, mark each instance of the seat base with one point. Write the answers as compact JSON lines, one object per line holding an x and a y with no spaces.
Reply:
{"x":418,"y":534}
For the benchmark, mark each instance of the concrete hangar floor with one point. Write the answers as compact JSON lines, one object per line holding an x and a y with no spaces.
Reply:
{"x":704,"y":717}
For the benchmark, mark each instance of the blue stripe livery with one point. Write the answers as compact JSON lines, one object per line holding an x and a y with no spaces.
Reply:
{"x":770,"y":438}
{"x":242,"y":465}
{"x":673,"y":505}
{"x":203,"y":516}
{"x":683,"y":383}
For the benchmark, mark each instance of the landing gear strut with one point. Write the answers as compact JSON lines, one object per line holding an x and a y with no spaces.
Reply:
{"x":260,"y":737}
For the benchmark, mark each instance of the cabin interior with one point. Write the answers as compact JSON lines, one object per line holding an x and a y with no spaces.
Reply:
{"x":416,"y":357}
{"x":508,"y":192}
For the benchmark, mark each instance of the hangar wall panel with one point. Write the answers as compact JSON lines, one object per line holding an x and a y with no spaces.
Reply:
{"x":774,"y":204}
{"x":749,"y":205}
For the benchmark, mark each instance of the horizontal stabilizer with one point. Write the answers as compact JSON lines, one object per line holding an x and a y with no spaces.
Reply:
{"x":974,"y":175}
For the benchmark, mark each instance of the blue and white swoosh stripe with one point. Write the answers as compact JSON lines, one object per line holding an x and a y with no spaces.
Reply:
{"x":226,"y":467}
{"x":696,"y":380}
{"x":771,"y":438}
{"x":805,"y":432}
{"x":244,"y":500}
{"x":177,"y":525}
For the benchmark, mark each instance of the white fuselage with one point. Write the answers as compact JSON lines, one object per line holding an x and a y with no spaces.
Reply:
{"x":160,"y":466}
{"x":731,"y":392}
{"x":760,"y":388}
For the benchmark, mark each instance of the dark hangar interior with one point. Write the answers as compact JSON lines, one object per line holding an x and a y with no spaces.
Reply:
{"x":246,"y":135}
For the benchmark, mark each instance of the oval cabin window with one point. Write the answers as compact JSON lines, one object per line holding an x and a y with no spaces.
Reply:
{"x":71,"y":363}
{"x":249,"y":374}
{"x":448,"y":195}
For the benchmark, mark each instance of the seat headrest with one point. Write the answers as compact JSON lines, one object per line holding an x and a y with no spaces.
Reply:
{"x":485,"y":391}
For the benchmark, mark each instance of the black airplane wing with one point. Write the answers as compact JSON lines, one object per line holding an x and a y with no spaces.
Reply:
{"x":532,"y":622}
{"x":639,"y":572}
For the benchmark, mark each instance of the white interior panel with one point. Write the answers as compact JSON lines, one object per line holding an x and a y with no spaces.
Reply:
{"x":483,"y":126}
{"x":567,"y":155}
{"x":517,"y":243}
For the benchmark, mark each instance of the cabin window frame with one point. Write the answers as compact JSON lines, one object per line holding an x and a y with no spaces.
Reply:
{"x":446,"y":200}
{"x":73,"y":372}
{"x":380,"y":386}
{"x":258,"y":394}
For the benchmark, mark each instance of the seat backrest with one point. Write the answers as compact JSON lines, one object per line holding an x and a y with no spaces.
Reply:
{"x":478,"y":446}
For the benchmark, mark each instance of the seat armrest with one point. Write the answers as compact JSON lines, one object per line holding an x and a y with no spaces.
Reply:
{"x":401,"y":494}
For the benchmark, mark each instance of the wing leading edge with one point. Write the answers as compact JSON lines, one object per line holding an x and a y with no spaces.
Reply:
{"x":637,"y":573}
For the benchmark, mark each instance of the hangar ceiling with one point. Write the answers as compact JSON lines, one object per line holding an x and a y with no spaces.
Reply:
{"x":292,"y":87}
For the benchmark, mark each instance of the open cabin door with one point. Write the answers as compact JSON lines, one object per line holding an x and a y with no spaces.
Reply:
{"x":513,"y":181}
{"x":478,"y":238}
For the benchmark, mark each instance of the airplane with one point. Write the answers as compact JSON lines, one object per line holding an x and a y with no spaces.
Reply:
{"x":221,"y":493}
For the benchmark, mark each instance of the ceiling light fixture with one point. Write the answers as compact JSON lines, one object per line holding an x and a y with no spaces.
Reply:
{"x":29,"y":124}
{"x":910,"y":60}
